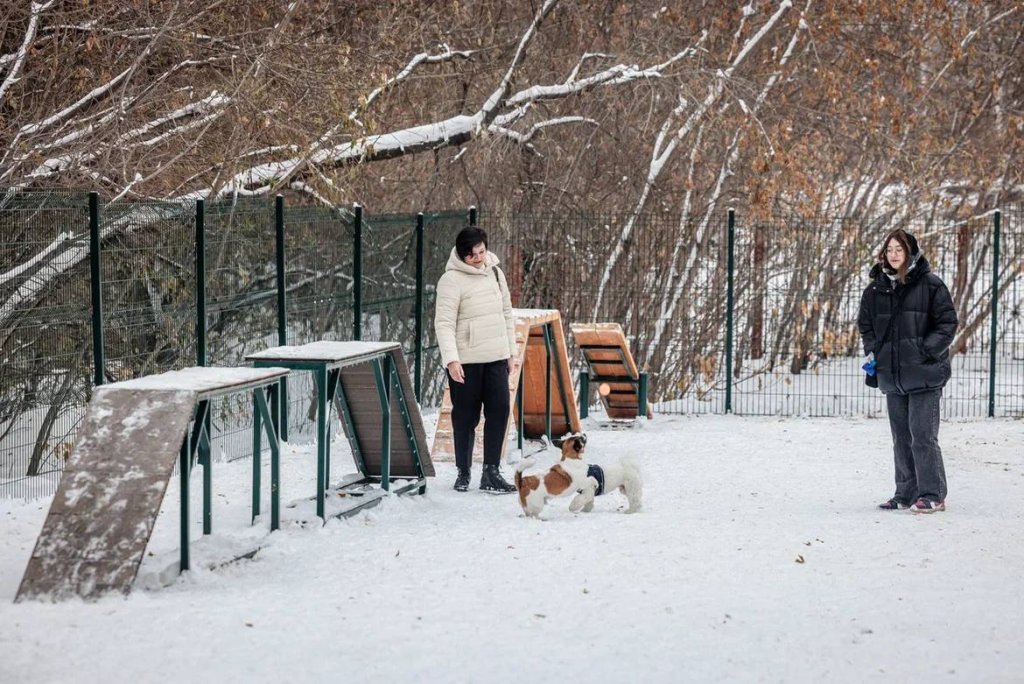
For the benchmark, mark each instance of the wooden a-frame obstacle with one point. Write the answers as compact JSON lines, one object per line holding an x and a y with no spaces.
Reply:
{"x":133,"y":434}
{"x":610,"y":365}
{"x":540,"y":392}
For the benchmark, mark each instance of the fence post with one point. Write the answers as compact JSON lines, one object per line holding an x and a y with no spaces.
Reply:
{"x":357,"y":274}
{"x":201,"y":360}
{"x":281,"y":398}
{"x":472,"y":215}
{"x":730,"y":265}
{"x":98,"y":362}
{"x":200,"y":282}
{"x":584,"y":397}
{"x":282,"y":318}
{"x":641,"y":395}
{"x":418,"y":360}
{"x":995,"y":321}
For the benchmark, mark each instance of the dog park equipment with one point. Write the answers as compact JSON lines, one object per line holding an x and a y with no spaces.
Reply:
{"x":540,"y":391}
{"x":133,"y":432}
{"x":368,"y":383}
{"x":610,"y":365}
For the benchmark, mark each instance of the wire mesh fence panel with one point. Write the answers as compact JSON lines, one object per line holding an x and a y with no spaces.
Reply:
{"x":148,"y":287}
{"x":389,"y":279}
{"x":553,"y":262}
{"x":319,"y":297}
{"x":241,"y":305}
{"x":439,"y":231}
{"x":46,"y":339}
{"x":662,"y":275}
{"x":1009,"y":358}
{"x":799,"y":283}
{"x":681,"y":322}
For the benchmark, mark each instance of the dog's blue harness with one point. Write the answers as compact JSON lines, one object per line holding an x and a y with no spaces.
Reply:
{"x":596,"y":472}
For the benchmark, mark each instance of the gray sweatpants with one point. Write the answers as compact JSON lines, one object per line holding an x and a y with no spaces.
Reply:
{"x":914,"y":421}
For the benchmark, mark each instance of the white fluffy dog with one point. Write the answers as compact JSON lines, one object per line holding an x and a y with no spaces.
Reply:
{"x":623,"y":475}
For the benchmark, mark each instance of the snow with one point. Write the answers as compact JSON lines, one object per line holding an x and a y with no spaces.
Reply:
{"x":324,"y":350}
{"x":759,"y":556}
{"x":196,"y":379}
{"x":533,"y":313}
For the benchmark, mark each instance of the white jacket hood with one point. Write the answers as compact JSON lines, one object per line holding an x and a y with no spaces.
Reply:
{"x":457,"y":264}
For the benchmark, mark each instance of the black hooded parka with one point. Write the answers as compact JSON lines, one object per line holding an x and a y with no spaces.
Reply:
{"x":909,"y":327}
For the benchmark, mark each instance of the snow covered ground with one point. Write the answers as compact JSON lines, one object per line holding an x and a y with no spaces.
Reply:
{"x":760,"y":556}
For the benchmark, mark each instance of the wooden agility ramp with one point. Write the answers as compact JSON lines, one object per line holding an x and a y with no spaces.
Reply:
{"x":368,"y":384}
{"x":610,"y":367}
{"x":537,"y":332}
{"x":106,"y":505}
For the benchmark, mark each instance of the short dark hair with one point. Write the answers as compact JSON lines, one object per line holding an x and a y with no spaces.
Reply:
{"x":468,"y":238}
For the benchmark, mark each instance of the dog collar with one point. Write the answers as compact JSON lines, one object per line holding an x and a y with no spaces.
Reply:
{"x":596,"y":472}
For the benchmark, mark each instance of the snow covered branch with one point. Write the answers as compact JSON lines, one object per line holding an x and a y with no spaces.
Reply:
{"x":446,"y":55}
{"x":30,"y":35}
{"x":661,"y":156}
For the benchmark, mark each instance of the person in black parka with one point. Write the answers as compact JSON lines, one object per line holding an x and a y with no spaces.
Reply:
{"x":907,"y":321}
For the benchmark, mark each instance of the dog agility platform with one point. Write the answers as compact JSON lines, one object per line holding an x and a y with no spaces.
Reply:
{"x":133,"y":434}
{"x":540,"y":392}
{"x":611,"y":368}
{"x":368,"y":384}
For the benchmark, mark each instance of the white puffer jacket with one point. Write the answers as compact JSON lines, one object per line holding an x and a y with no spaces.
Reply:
{"x":473,"y":321}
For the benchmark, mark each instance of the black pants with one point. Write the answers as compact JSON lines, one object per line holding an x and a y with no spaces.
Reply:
{"x":487,"y":385}
{"x":914,"y":421}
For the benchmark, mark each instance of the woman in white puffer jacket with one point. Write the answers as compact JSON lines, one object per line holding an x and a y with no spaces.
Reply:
{"x":476,"y":335}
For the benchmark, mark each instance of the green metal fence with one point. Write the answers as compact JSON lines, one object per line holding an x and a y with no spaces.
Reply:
{"x":45,"y":342}
{"x":157,"y":286}
{"x":726,"y":314}
{"x":758,"y":317}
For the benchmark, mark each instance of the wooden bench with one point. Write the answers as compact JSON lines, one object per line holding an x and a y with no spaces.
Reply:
{"x":107,"y":502}
{"x":368,"y":384}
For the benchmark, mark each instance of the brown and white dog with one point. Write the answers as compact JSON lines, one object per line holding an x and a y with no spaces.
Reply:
{"x":566,"y":477}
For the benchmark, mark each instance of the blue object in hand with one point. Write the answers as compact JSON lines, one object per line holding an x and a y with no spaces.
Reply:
{"x":869,"y":367}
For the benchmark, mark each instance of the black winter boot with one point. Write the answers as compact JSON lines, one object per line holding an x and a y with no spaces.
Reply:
{"x":462,"y":481}
{"x":492,"y":481}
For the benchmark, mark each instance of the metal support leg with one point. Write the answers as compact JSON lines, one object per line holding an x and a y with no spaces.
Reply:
{"x":410,"y":434}
{"x":519,"y":411}
{"x":257,"y":448}
{"x":332,"y":389}
{"x":642,"y":395}
{"x":321,"y":438}
{"x":547,"y":381}
{"x":198,"y":446}
{"x":277,"y":392}
{"x":584,"y":393}
{"x":185,"y":461}
{"x":273,"y":439}
{"x":382,"y":371}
